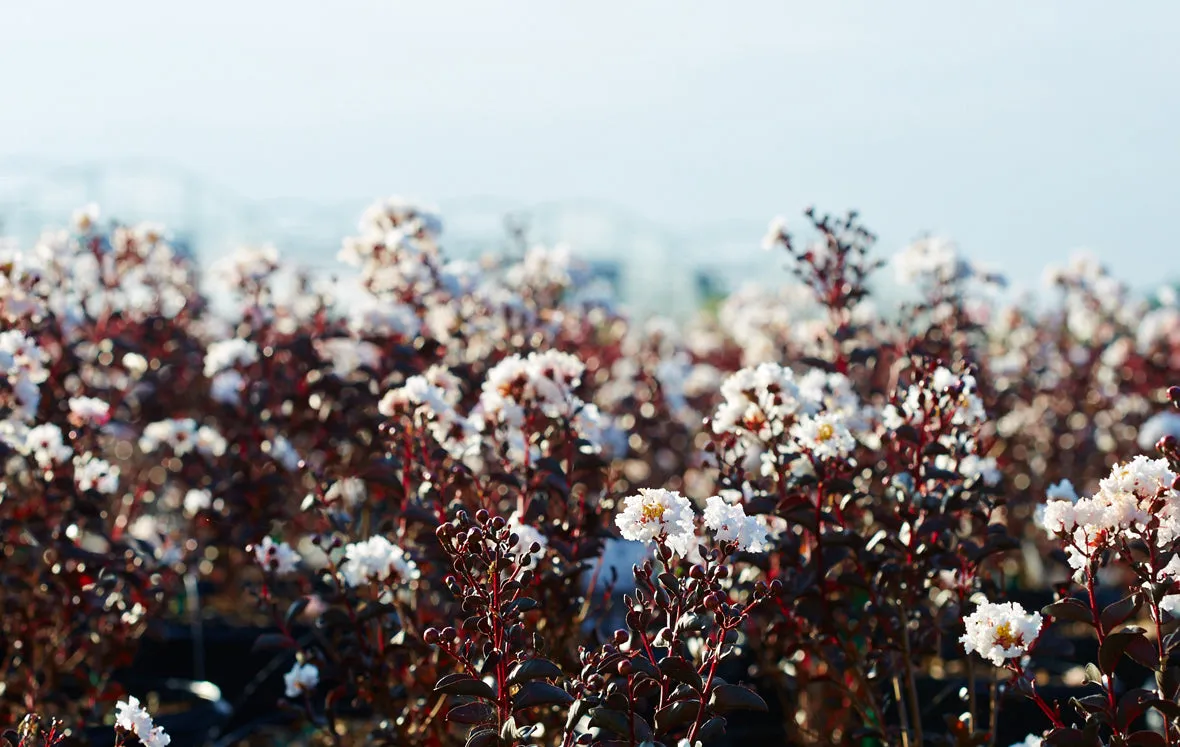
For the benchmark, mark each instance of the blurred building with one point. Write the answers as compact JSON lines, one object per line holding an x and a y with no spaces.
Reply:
{"x":648,"y":267}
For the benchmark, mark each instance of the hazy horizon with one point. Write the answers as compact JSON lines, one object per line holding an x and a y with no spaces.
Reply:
{"x":1023,"y":132}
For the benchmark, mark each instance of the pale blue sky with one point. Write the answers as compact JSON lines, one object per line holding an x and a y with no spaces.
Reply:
{"x":1022,"y":129}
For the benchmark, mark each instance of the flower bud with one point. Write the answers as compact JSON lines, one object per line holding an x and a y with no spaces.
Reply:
{"x":625,"y":668}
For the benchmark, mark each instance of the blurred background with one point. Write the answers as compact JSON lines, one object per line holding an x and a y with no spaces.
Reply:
{"x":656,"y":139}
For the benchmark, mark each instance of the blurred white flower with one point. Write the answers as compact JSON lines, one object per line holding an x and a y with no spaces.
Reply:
{"x":196,"y":501}
{"x":44,"y":443}
{"x":730,"y":523}
{"x":92,"y":473}
{"x":303,"y":678}
{"x":277,"y":557}
{"x":90,"y":410}
{"x":376,"y":559}
{"x":225,"y":354}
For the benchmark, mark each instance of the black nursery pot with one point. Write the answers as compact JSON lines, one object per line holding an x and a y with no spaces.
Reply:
{"x":212,"y":651}
{"x":944,"y":699}
{"x":191,"y":712}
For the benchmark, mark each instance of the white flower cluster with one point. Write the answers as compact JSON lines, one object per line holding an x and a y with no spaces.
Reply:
{"x":92,"y":473}
{"x":282,"y":451}
{"x":195,"y":501}
{"x":730,"y":523}
{"x":226,"y":354}
{"x":133,"y":272}
{"x":763,"y":322}
{"x":376,"y":559}
{"x":247,"y":266}
{"x":45,"y":444}
{"x":527,"y":536}
{"x":182,"y":435}
{"x":824,"y":436}
{"x":349,"y":491}
{"x":546,"y":380}
{"x":542,"y":383}
{"x":955,"y":398}
{"x":132,"y":718}
{"x":760,"y":403}
{"x":1135,"y":496}
{"x":545,"y":267}
{"x":278,"y":557}
{"x":396,"y":250}
{"x":303,"y":678}
{"x":999,"y":632}
{"x":22,"y":362}
{"x":818,"y":411}
{"x":655,"y":513}
{"x":431,"y":399}
{"x":346,"y":355}
{"x":934,"y":259}
{"x":90,"y":410}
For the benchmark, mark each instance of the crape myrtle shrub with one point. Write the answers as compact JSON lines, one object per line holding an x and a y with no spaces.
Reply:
{"x":478,"y":506}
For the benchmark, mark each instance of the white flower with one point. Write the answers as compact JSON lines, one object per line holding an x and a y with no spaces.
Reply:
{"x":526,"y":535}
{"x":760,"y":402}
{"x":349,"y":490}
{"x":92,"y":473}
{"x":196,"y":501}
{"x":545,"y":379}
{"x":1062,"y":491}
{"x":277,"y":557}
{"x":302,"y":678}
{"x":656,"y":512}
{"x":157,"y":737}
{"x":1032,"y":740}
{"x":131,"y":716}
{"x":90,"y":409}
{"x":347,"y":356}
{"x":135,"y":363}
{"x":210,"y":442}
{"x":730,"y":524}
{"x":933,"y":258}
{"x":824,"y":435}
{"x":225,"y":354}
{"x":179,"y":434}
{"x":1159,"y":425}
{"x":227,"y":386}
{"x":44,"y":444}
{"x":998,"y":632}
{"x":1171,"y":604}
{"x":281,"y":450}
{"x":376,"y":559}
{"x":247,"y":265}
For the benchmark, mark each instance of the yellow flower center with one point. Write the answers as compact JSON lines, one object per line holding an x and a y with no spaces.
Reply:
{"x":652,"y":512}
{"x":1005,"y":638}
{"x":824,"y":432}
